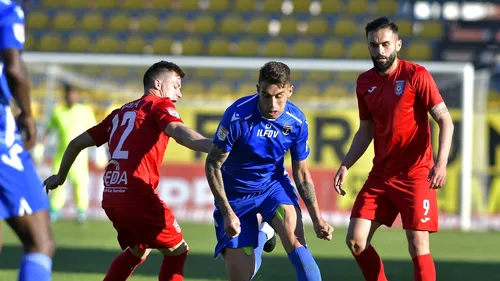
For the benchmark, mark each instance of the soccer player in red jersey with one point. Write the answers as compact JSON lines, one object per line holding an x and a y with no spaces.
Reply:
{"x":137,"y":135}
{"x":394,"y":98}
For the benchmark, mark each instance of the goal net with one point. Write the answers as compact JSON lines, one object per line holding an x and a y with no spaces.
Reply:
{"x":324,"y":89}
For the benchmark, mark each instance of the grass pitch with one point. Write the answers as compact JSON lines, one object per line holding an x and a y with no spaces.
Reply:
{"x":85,"y":253}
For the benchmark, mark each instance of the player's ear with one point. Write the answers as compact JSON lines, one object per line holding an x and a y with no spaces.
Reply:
{"x":290,"y":91}
{"x":258,"y":88}
{"x":399,"y":44}
{"x":157,"y":84}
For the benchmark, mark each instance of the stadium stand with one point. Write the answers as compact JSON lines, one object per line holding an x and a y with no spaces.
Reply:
{"x":275,"y":28}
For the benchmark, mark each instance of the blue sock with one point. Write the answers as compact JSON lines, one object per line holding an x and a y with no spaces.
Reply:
{"x":305,"y":266}
{"x":258,"y":251}
{"x":35,"y":267}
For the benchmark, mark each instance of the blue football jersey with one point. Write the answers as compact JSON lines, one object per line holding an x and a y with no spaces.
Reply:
{"x":11,"y":37}
{"x":257,"y":145}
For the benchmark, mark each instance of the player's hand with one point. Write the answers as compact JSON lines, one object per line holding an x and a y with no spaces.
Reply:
{"x":323,"y":230}
{"x":232,"y":225}
{"x":437,"y":176}
{"x":339,"y":180}
{"x":27,"y":127}
{"x":53,"y":182}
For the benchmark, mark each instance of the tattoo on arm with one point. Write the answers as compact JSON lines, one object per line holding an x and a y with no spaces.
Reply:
{"x":438,"y":110}
{"x":213,"y":164}
{"x":307,"y":193}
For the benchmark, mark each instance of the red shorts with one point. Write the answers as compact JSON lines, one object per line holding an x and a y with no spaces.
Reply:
{"x":150,"y":225}
{"x":382,"y":201}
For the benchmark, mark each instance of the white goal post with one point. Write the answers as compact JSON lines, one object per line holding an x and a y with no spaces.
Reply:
{"x":466,"y":70}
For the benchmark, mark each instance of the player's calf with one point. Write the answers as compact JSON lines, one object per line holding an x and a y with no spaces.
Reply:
{"x":285,"y":223}
{"x":125,"y":264}
{"x":423,"y":263}
{"x":34,"y":232}
{"x":172,"y":267}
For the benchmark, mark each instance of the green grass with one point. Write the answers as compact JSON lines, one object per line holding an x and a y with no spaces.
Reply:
{"x":84,"y":253}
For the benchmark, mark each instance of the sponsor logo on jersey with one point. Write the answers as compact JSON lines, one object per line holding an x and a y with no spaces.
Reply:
{"x":173,"y":112}
{"x":267,"y":133}
{"x":287,"y":129}
{"x":399,"y":87}
{"x":222,"y":133}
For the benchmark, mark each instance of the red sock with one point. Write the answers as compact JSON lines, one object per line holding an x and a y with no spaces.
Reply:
{"x":371,"y":265}
{"x":123,"y":266}
{"x":172,"y":268}
{"x":424,"y":268}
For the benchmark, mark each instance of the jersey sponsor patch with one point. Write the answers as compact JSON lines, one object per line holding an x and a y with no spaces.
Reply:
{"x":18,"y":30}
{"x":399,"y":87}
{"x":222,"y":133}
{"x":173,"y":112}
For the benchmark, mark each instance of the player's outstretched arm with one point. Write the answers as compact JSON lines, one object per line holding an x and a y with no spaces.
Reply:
{"x":17,"y":79}
{"x":441,"y":115}
{"x":74,"y":148}
{"x":216,"y":157}
{"x":188,"y":137}
{"x":360,"y":143}
{"x":305,"y":186}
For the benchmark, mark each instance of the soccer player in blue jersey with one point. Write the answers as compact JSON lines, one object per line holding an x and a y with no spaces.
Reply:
{"x":23,"y":203}
{"x":246,"y":173}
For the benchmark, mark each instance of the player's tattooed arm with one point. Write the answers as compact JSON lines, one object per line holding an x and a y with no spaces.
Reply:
{"x":443,"y":118}
{"x":216,"y":157}
{"x":438,"y":110}
{"x":305,"y":187}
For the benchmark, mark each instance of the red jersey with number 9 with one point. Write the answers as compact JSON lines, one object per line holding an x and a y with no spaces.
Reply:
{"x":398,"y":104}
{"x":137,"y":144}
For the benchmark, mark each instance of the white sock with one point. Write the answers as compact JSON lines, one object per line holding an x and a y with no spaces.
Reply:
{"x":267,"y":229}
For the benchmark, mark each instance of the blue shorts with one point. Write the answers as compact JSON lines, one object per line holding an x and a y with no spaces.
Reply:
{"x":21,"y":190}
{"x":246,"y":208}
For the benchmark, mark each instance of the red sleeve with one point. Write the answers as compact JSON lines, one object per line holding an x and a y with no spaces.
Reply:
{"x":165,"y":113}
{"x":100,"y":132}
{"x":426,"y":88}
{"x":364,"y":112}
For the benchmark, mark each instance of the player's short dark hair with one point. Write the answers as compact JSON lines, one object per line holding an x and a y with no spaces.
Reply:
{"x":159,"y":68}
{"x":382,"y":22}
{"x":68,"y":88}
{"x":275,"y":72}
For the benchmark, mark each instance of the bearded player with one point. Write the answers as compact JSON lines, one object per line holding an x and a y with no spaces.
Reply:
{"x":137,"y":135}
{"x":394,"y":98}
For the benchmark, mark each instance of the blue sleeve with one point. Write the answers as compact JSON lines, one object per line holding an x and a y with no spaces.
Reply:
{"x":12,"y":30}
{"x":301,"y":150}
{"x":227,"y":132}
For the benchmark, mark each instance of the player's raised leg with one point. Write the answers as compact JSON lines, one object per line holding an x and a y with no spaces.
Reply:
{"x":358,"y":240}
{"x":285,"y":223}
{"x":267,"y":236}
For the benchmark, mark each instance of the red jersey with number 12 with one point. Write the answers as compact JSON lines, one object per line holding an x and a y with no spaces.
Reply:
{"x":137,"y":144}
{"x":398,"y":105}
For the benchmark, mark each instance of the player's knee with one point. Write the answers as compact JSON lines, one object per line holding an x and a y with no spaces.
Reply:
{"x":357,"y":246}
{"x":178,"y":249}
{"x":43,"y":244}
{"x":140,"y":253}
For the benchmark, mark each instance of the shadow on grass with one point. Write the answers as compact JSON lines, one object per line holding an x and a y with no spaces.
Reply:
{"x":76,"y":260}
